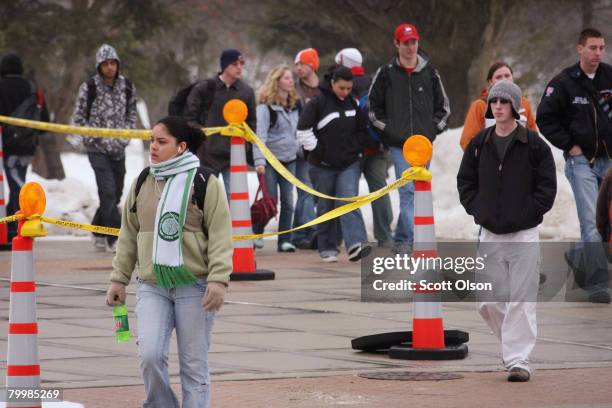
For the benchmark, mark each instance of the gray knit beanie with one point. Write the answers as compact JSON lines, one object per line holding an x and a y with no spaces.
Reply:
{"x":507,"y":90}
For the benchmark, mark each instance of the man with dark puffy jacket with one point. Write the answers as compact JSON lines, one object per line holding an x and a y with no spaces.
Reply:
{"x":14,"y":90}
{"x":107,"y":100}
{"x":575,"y":115}
{"x":406,"y":98}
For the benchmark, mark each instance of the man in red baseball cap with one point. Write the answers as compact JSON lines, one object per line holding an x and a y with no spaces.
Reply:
{"x":420,"y":106}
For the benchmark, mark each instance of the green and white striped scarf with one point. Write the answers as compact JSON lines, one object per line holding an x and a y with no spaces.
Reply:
{"x":170,"y":217}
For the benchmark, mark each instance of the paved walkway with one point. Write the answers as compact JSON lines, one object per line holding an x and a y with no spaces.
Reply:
{"x":286,"y":343}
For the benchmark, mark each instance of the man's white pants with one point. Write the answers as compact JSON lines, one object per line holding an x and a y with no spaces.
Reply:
{"x":512,"y":265}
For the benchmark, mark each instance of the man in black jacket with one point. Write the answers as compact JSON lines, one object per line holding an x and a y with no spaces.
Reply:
{"x":507,"y":181}
{"x":15,"y":89}
{"x":406,"y":98}
{"x":205,"y":109}
{"x":575,"y":115}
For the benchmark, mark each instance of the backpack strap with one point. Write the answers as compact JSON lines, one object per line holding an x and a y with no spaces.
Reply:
{"x":139,"y":182}
{"x":200,"y":182}
{"x":209,"y":98}
{"x":91,"y":96}
{"x":129,"y":91}
{"x":273,"y":116}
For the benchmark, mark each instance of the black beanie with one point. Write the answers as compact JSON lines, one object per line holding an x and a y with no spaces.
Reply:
{"x":228,"y":56}
{"x":179,"y":128}
{"x":11,"y":65}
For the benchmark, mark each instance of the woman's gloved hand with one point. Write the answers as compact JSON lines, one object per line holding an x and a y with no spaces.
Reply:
{"x":115,"y":295}
{"x":214,"y":296}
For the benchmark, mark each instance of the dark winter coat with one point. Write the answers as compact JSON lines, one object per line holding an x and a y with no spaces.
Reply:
{"x":340,"y":129}
{"x":512,"y":195}
{"x":14,"y":89}
{"x":403,"y":104}
{"x":215,"y":151}
{"x":567,"y":115}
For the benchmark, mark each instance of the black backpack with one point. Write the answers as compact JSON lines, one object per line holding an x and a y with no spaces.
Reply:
{"x":178,"y":103}
{"x":22,"y":140}
{"x":200,"y":181}
{"x":92,"y":93}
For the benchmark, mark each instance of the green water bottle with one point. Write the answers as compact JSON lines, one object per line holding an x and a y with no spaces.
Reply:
{"x":122,"y":327}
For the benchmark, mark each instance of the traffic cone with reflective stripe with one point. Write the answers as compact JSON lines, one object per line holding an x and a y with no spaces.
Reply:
{"x":22,"y":363}
{"x":4,"y":241}
{"x":428,"y":336}
{"x":428,"y":340}
{"x":244,"y":254}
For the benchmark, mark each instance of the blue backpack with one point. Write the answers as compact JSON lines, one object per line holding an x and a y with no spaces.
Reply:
{"x":364,"y":105}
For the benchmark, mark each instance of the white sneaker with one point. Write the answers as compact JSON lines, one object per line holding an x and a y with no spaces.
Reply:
{"x":99,"y":244}
{"x":111,"y":248}
{"x":329,"y":256}
{"x":258,"y":243}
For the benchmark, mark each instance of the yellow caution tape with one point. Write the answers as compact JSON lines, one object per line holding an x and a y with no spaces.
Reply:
{"x":96,"y":132}
{"x":282,"y":170}
{"x":11,"y":218}
{"x":411,"y":174}
{"x":86,"y":227}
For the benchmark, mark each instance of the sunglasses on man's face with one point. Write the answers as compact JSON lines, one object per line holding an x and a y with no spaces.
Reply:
{"x":500,"y":100}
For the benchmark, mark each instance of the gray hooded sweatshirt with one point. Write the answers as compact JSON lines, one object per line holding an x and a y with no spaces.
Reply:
{"x":110,"y":109}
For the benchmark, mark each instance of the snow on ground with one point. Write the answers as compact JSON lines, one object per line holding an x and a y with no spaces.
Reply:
{"x":75,"y":198}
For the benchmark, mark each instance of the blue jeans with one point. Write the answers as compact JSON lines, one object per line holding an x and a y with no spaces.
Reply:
{"x":274,"y":179}
{"x":404,"y":232}
{"x":585,"y":181}
{"x":374,"y":168}
{"x":339,"y":183}
{"x":304,"y":207}
{"x":159,"y":311}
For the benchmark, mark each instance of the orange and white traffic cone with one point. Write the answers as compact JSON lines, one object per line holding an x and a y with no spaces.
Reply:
{"x":22,"y":365}
{"x":4,"y":241}
{"x":429,"y":340}
{"x":244,"y":255}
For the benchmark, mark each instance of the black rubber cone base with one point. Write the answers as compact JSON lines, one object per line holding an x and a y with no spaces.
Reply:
{"x":384,"y":341}
{"x":6,"y":247}
{"x":258,"y":275}
{"x":406,"y":352}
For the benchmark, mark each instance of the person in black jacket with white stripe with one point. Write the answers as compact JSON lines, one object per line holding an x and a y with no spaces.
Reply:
{"x":332,"y":129}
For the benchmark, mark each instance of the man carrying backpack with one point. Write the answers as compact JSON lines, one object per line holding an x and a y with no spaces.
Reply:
{"x":107,"y":100}
{"x":407,"y":98}
{"x":204,"y":108}
{"x":18,"y":98}
{"x":374,"y":162}
{"x":507,"y":181}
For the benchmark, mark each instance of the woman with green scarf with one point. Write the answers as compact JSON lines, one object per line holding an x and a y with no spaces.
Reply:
{"x":182,"y":255}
